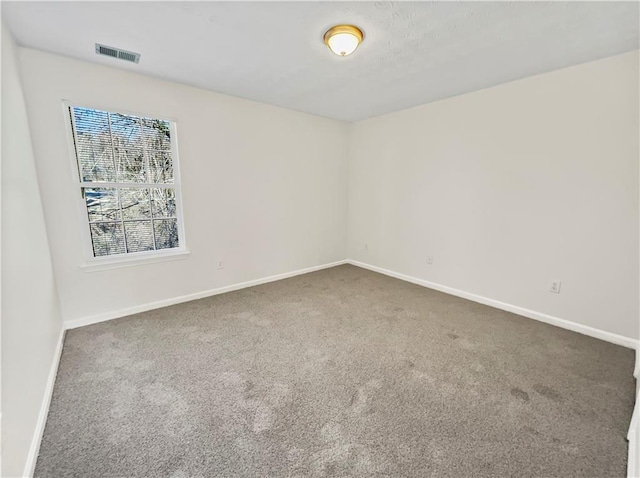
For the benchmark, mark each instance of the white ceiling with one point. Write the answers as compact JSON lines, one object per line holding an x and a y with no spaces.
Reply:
{"x":413,"y":52}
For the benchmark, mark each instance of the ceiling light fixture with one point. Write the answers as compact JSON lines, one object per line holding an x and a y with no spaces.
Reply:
{"x":343,"y":39}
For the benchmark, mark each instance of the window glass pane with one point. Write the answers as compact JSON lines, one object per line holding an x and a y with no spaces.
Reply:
{"x":166,"y":233}
{"x":157,"y":134}
{"x":102,"y":204}
{"x":131,"y":166}
{"x":107,"y":238}
{"x":161,"y":167}
{"x":139,"y":236}
{"x":126,"y":131}
{"x":93,"y":145}
{"x":134,"y":153}
{"x":163,"y":202}
{"x":135,"y":203}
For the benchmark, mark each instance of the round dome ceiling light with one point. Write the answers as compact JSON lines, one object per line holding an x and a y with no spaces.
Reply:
{"x":343,"y":39}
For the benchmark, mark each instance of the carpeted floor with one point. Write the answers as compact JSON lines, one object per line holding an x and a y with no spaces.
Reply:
{"x":342,"y":372}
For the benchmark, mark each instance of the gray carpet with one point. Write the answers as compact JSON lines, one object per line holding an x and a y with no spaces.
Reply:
{"x":342,"y":372}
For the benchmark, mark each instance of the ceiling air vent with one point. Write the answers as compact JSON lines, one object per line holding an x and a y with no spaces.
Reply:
{"x":117,"y":53}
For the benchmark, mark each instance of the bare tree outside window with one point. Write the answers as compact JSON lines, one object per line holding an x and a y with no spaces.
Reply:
{"x":127,"y":181}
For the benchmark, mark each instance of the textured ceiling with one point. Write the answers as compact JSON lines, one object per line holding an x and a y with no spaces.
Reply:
{"x":413,"y":52}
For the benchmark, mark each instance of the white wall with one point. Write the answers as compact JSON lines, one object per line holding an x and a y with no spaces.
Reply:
{"x":508,"y":188}
{"x":264,"y":188}
{"x":31,"y":320}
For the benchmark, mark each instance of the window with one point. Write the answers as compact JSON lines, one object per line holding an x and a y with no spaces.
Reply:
{"x":129,"y":183}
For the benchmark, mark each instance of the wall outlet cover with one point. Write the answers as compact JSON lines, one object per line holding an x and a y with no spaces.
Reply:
{"x":554,"y":286}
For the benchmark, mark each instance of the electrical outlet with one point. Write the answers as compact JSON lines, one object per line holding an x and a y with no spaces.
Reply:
{"x":554,"y":286}
{"x":220,"y":265}
{"x":429,"y":260}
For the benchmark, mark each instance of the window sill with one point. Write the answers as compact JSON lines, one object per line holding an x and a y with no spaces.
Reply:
{"x":131,"y":261}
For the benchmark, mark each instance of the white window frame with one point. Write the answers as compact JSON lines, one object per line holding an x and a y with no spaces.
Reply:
{"x":112,"y":261}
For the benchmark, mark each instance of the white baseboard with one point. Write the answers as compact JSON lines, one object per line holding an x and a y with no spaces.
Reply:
{"x":633,"y":462}
{"x":94,"y":319}
{"x":532,"y":314}
{"x":34,"y":449}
